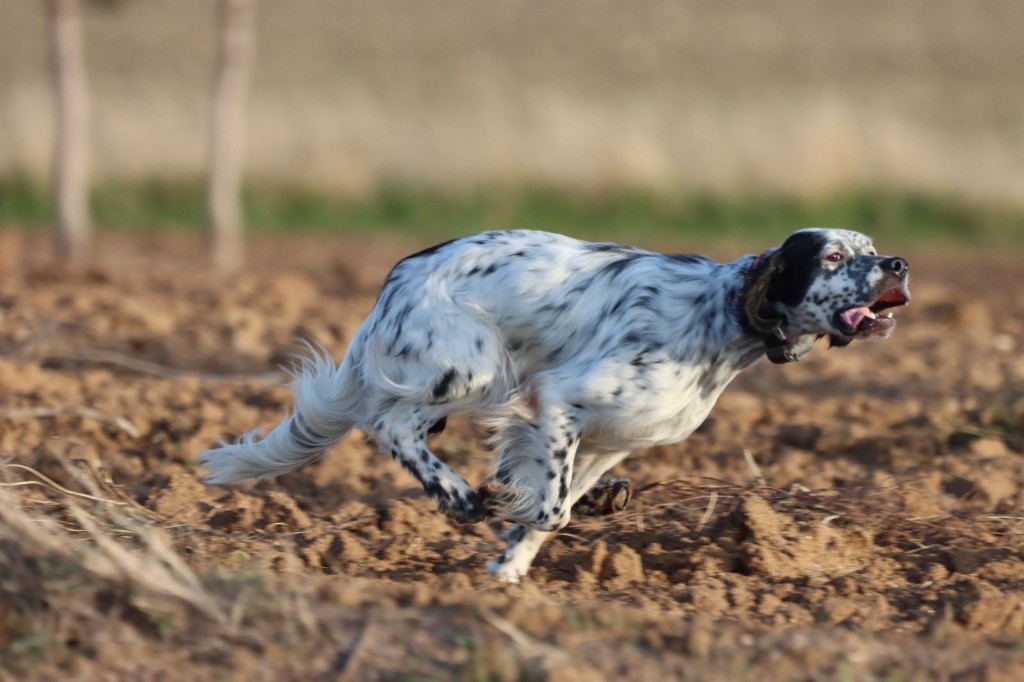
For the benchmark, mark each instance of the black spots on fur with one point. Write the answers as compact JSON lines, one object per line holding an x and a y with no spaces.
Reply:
{"x":618,"y":305}
{"x":441,"y":388}
{"x":563,"y":490}
{"x":425,"y":252}
{"x":397,"y":337}
{"x":479,"y":343}
{"x":690,"y":259}
{"x":608,"y":247}
{"x":387,"y":295}
{"x":513,"y":344}
{"x":304,"y":437}
{"x":436,"y":465}
{"x":647,"y":298}
{"x":571,"y":435}
{"x":434,"y":490}
{"x":438,"y":426}
{"x":552,"y":308}
{"x":553,"y":355}
{"x":483,"y":271}
{"x":551,"y":474}
{"x":560,"y":454}
{"x":616,"y":267}
{"x":633,"y":298}
{"x":405,"y":312}
{"x":710,"y":381}
{"x":518,"y":254}
{"x":516,"y":534}
{"x":581,"y":287}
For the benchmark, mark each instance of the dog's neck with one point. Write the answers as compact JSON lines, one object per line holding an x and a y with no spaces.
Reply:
{"x":708,"y":292}
{"x":779,"y":347}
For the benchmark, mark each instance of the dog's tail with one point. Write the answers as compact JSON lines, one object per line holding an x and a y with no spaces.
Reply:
{"x":326,"y":398}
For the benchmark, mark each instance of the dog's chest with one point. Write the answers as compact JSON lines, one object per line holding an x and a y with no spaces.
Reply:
{"x":665,"y":406}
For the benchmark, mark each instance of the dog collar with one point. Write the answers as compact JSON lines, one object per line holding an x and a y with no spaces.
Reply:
{"x":787,"y":350}
{"x":777,"y":347}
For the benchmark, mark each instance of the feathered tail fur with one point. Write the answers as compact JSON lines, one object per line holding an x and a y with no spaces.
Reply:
{"x":325,"y":405}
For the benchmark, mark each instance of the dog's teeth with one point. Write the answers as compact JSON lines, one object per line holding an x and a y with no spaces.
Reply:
{"x":888,"y":316}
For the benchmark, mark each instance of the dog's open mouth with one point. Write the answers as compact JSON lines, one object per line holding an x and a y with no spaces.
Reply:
{"x":866,"y":321}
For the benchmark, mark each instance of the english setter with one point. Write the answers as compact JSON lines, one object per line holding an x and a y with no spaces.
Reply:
{"x":578,"y":353}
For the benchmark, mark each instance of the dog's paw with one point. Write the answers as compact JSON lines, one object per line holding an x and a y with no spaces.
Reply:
{"x":463,"y":507}
{"x":496,"y":498}
{"x":505,"y":571}
{"x":608,"y":496}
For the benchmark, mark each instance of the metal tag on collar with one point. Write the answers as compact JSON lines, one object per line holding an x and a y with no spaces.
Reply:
{"x":789,"y":351}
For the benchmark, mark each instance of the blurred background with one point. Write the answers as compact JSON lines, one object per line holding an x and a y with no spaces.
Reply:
{"x":598,"y":118}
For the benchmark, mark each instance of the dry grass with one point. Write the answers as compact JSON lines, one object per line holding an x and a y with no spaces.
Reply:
{"x":79,"y":569}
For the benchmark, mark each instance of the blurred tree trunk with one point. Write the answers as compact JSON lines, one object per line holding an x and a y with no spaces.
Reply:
{"x":227,"y":134}
{"x":71,"y":151}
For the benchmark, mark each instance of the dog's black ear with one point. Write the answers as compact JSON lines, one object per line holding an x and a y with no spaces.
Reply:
{"x":756,"y":296}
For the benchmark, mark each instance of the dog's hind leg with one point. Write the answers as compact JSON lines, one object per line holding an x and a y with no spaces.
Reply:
{"x":524,"y":543}
{"x":402,"y":433}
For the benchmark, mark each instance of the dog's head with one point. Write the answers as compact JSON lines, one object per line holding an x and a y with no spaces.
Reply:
{"x":825,"y":281}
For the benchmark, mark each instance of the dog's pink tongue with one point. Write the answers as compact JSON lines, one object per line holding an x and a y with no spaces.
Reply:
{"x":853,"y":316}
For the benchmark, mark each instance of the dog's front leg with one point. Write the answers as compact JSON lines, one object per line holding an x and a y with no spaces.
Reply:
{"x":534,"y":474}
{"x":524,"y":543}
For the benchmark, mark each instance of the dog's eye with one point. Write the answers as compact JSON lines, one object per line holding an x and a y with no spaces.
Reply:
{"x":835,"y":257}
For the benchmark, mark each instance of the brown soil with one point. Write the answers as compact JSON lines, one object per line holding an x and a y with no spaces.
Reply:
{"x":880,"y":532}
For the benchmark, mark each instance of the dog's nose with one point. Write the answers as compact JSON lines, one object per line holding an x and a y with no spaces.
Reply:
{"x":897,"y":266}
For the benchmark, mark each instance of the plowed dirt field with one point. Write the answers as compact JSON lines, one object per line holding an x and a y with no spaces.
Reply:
{"x":879,"y":533}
